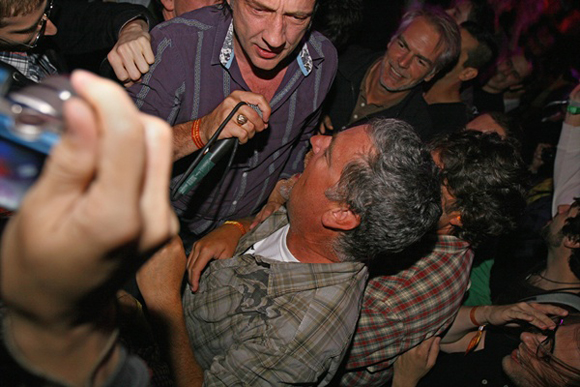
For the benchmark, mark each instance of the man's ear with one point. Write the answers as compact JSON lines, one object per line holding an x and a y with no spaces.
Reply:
{"x":430,"y":76}
{"x":340,"y":218}
{"x":455,"y":219}
{"x":569,"y":243}
{"x":468,"y":73}
{"x":168,"y":5}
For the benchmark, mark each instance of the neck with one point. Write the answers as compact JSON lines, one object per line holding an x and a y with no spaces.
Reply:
{"x":263,"y":82}
{"x":557,"y":273}
{"x":311,"y":247}
{"x":443,"y":91}
{"x":377,"y":94}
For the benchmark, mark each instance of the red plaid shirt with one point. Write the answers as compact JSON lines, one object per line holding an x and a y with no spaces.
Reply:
{"x":400,"y":311}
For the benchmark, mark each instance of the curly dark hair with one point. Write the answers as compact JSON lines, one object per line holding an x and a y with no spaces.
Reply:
{"x":487,"y":177}
{"x":571,"y":230}
{"x":395,"y":191}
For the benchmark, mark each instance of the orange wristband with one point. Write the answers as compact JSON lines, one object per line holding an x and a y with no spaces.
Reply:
{"x":195,"y":136}
{"x":472,"y":316}
{"x":237,"y":224}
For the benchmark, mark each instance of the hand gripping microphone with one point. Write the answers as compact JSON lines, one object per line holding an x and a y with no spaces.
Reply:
{"x":209,"y":156}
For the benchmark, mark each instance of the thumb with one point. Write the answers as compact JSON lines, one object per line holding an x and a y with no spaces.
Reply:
{"x":72,"y":163}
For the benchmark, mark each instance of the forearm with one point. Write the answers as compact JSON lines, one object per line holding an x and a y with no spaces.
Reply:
{"x":463,"y":323}
{"x":572,"y":119}
{"x":174,"y":341}
{"x":183,"y":144}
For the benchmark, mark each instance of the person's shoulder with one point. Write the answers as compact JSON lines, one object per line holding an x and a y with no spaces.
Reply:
{"x":317,"y":40}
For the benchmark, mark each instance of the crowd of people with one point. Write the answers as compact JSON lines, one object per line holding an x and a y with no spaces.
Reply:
{"x":401,"y":215}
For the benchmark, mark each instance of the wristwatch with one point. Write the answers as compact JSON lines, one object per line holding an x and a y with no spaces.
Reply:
{"x":573,"y":107}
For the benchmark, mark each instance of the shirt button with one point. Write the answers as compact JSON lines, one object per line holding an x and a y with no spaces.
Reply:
{"x":244,"y":174}
{"x":235,"y":202}
{"x":362,"y":104}
{"x":355,"y":116}
{"x":484,"y":381}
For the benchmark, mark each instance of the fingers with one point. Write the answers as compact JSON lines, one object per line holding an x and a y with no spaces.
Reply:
{"x":433,"y":351}
{"x":533,"y":313}
{"x":325,"y":125}
{"x":254,"y":99}
{"x":132,"y":55}
{"x":266,"y":211}
{"x":196,"y":262}
{"x":160,"y":222}
{"x":72,"y":163}
{"x":119,"y":122}
{"x":245,"y":123}
{"x":251,"y":122}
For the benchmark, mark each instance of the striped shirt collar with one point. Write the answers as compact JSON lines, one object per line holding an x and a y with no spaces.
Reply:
{"x":227,"y":53}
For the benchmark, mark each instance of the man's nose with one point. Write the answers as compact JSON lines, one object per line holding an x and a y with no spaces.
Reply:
{"x":50,"y":28}
{"x":405,"y":59}
{"x":319,"y":142}
{"x":531,"y":340}
{"x":275,"y":32}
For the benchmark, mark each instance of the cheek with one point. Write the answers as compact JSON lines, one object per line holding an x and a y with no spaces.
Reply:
{"x":295,"y":32}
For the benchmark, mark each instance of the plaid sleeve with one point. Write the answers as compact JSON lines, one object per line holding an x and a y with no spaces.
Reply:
{"x":402,"y":310}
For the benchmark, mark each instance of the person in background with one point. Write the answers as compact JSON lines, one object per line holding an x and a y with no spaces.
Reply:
{"x":389,"y":84}
{"x":35,"y":35}
{"x":448,"y":112}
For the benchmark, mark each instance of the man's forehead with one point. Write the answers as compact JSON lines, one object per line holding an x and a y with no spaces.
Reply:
{"x":423,"y":32}
{"x":351,"y":141}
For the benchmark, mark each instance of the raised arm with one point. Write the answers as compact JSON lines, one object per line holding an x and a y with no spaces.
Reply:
{"x":94,"y":215}
{"x":469,"y":319}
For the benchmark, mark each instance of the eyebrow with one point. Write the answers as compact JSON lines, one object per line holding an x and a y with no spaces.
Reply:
{"x":255,"y":3}
{"x":423,"y":58}
{"x":330,"y":148}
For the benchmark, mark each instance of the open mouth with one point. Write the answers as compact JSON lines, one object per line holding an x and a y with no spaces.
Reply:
{"x":267,"y":54}
{"x":394,"y":73}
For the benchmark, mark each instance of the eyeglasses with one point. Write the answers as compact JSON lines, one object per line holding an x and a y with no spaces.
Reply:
{"x":43,"y":21}
{"x":40,"y":31}
{"x":545,"y":349}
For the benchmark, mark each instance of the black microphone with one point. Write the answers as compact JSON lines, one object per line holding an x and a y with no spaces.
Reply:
{"x":213,"y":155}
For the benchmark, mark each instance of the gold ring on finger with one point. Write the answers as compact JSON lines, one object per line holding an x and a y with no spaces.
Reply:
{"x":241,"y":119}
